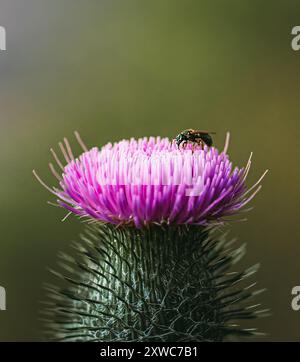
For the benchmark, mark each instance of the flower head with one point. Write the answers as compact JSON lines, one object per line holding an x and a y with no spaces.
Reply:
{"x":150,"y":180}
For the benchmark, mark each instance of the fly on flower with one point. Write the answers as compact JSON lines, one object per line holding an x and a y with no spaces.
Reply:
{"x":196,"y":137}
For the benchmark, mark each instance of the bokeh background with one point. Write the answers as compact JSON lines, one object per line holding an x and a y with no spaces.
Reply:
{"x":114,"y":69}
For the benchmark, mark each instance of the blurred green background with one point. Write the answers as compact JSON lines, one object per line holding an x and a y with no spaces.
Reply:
{"x":113,"y":69}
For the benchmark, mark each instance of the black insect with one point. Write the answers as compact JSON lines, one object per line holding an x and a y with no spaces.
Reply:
{"x":195,"y":137}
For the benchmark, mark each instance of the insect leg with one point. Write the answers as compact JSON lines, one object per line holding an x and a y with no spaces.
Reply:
{"x":199,"y":142}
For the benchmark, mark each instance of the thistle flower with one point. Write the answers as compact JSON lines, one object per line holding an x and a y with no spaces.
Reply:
{"x":151,"y":267}
{"x":150,"y":180}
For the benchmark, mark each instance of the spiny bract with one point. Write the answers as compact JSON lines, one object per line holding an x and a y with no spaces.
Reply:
{"x":147,"y":285}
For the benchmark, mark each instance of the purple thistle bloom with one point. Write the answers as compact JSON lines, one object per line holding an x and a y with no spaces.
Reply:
{"x":150,"y":283}
{"x":150,"y":180}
